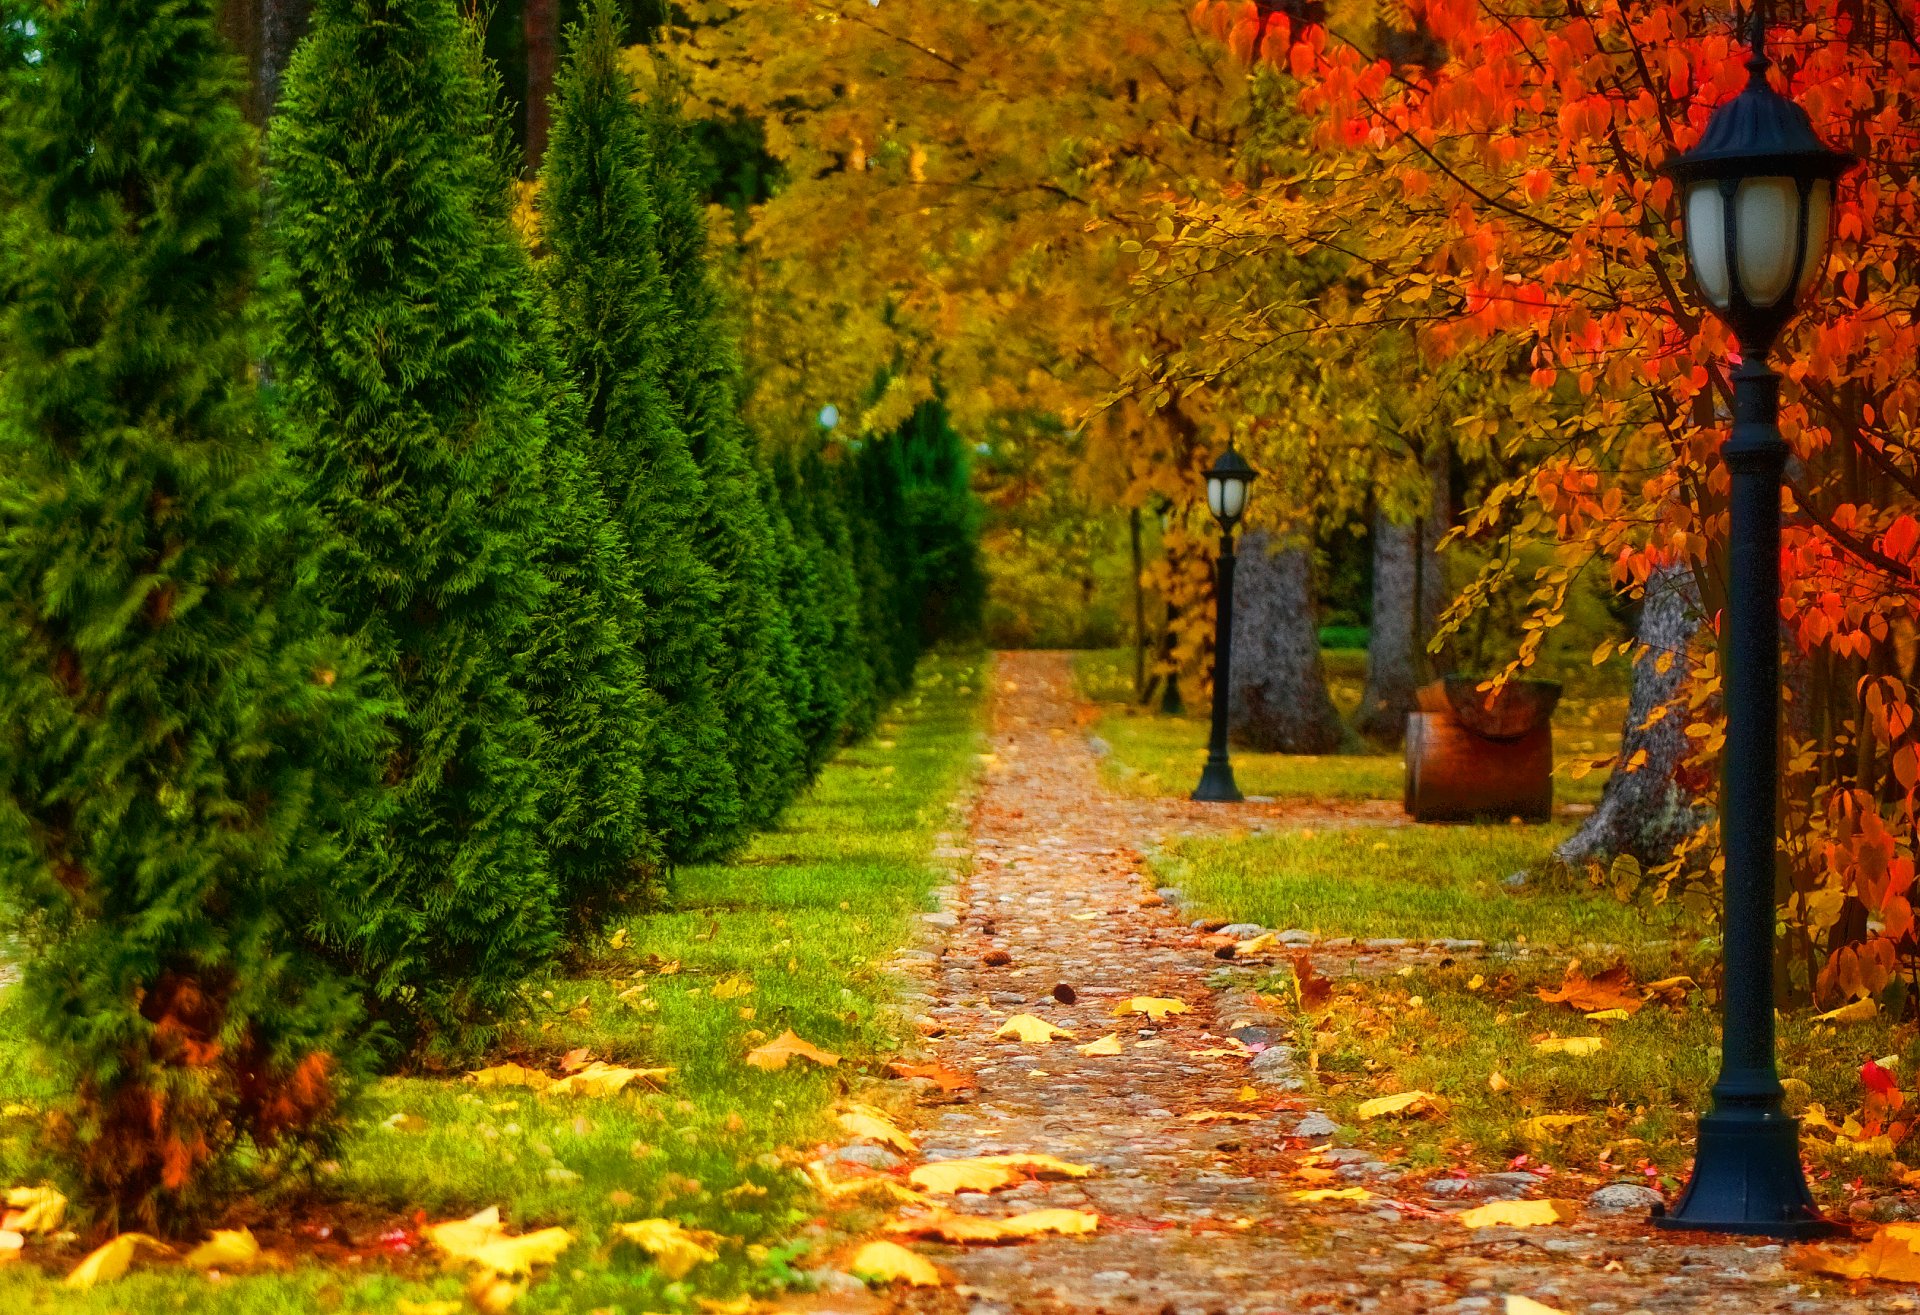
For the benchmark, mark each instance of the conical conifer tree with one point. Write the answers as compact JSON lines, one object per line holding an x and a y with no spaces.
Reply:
{"x":186,"y":751}
{"x":806,"y":587}
{"x":700,"y":375}
{"x":585,"y":675}
{"x":615,"y":310}
{"x":417,"y":427}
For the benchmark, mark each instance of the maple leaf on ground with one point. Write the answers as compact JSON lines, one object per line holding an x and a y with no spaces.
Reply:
{"x":1877,"y":1079}
{"x":872,"y":1124}
{"x":1891,"y":1255}
{"x":1155,"y":1007}
{"x":1518,"y":1305}
{"x":774,"y":1055}
{"x":1106,"y":1045}
{"x":1222,"y":1116}
{"x":1612,"y":989}
{"x":1577,"y":1046}
{"x":1401,"y":1102}
{"x":1542,"y":1127}
{"x":1318,"y":1194}
{"x":510,"y":1075}
{"x":675,"y":1250}
{"x":1854,"y":1011}
{"x":889,"y":1262}
{"x":1033,"y":1030}
{"x":225,"y":1248}
{"x":603,"y":1079}
{"x":34,"y":1210}
{"x":1310,"y":989}
{"x":110,"y":1259}
{"x":948,"y":1080}
{"x":481,"y":1241}
{"x":1515,"y":1214}
{"x":949,"y":1227}
{"x":989,"y":1173}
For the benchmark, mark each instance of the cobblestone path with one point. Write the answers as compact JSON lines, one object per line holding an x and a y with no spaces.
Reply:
{"x":1198,"y":1218}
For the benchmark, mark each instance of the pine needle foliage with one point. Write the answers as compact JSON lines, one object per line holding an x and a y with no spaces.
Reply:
{"x":186,"y":748}
{"x":701,"y":372}
{"x":615,"y":309}
{"x":418,"y":426}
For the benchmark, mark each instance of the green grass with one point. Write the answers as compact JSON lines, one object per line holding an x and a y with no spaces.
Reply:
{"x":808,"y":915}
{"x":1416,"y":882}
{"x":1438,"y":1031}
{"x":1154,"y":755}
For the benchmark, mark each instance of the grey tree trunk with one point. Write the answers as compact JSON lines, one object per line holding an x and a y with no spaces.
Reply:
{"x":1279,"y":701}
{"x":1644,"y":813}
{"x":1409,"y":593}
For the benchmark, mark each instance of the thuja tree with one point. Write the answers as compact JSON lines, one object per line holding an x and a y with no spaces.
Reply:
{"x":185,"y":749}
{"x":701,"y":375}
{"x":817,"y":591}
{"x":615,"y":313}
{"x":417,"y":430}
{"x":585,"y":674}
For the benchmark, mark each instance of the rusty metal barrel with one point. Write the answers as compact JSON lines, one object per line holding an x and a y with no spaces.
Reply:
{"x":1471,"y":754}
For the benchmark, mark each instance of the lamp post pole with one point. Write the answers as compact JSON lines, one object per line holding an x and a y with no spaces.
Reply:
{"x":1759,"y":195}
{"x":1216,"y":780}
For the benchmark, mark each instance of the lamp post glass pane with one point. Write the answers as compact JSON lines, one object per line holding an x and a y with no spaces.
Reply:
{"x":1767,"y":227}
{"x":1707,"y":241}
{"x":1233,"y":498}
{"x":1819,"y":218}
{"x":1216,"y":497}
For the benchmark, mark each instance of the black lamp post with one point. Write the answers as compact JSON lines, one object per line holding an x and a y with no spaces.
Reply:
{"x":1227,"y":499}
{"x":1758,"y":196}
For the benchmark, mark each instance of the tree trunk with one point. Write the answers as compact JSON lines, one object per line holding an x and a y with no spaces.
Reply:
{"x":282,"y":25}
{"x":1279,"y":694}
{"x":1139,"y":608}
{"x":542,"y":25}
{"x":1645,"y":813}
{"x":1409,"y":591}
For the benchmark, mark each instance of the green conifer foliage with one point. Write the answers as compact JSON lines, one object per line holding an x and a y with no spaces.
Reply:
{"x":615,"y":311}
{"x":185,"y":748}
{"x":735,"y":529}
{"x":585,"y":675}
{"x":417,"y":425}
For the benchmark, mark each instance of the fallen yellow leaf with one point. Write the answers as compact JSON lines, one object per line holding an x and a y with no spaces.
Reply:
{"x":1512,"y":1214}
{"x":1857,"y":1011}
{"x":1154,"y":1007}
{"x":1088,"y":916}
{"x":1891,"y":1255}
{"x":1044,"y":1166}
{"x":826,"y":1185}
{"x":1577,"y":1046}
{"x":493,"y":1295}
{"x":1497,"y":1081}
{"x":602,"y":1079}
{"x":1221,"y":1116}
{"x":34,"y":1210}
{"x":510,"y":1075}
{"x":775,"y":1054}
{"x":1030,"y":1029}
{"x":732,"y":987}
{"x":1518,"y":1305}
{"x":109,"y":1260}
{"x":989,"y":1173}
{"x":480,"y":1240}
{"x":1542,"y":1127}
{"x":1247,"y":1095}
{"x":889,"y":1262}
{"x":1333,"y":1194}
{"x":1106,"y":1045}
{"x":225,"y":1248}
{"x":950,"y":1227}
{"x":405,"y":1307}
{"x":1258,"y":945}
{"x":1402,"y":1102}
{"x":1605,"y":1016}
{"x":675,"y":1250}
{"x":866,"y":1121}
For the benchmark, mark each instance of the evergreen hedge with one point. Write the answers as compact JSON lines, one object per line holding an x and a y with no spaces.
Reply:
{"x":184,"y":743}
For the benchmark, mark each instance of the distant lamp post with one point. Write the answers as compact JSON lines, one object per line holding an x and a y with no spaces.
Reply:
{"x":1227,"y":499}
{"x":1758,"y":202}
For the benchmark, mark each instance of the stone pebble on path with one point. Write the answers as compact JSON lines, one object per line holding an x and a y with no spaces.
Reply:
{"x":1197,"y":1217}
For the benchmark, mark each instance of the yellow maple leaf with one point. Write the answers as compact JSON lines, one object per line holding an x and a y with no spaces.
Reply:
{"x":1891,"y":1255}
{"x":889,"y":1262}
{"x":225,"y":1248}
{"x":675,"y":1250}
{"x":775,"y":1054}
{"x":1221,"y":1116}
{"x":1106,"y":1045}
{"x":1401,"y":1102}
{"x":603,"y":1079}
{"x":1513,"y":1214}
{"x":1518,"y":1305}
{"x":950,"y":1227}
{"x":110,"y":1260}
{"x":825,"y":1183}
{"x":1606,"y":1016}
{"x":866,"y":1121}
{"x":1542,"y":1127}
{"x":1857,"y":1011}
{"x":989,"y":1173}
{"x":35,"y":1210}
{"x":1042,"y":1166}
{"x":1032,"y":1030}
{"x":1577,"y":1046}
{"x":510,"y":1075}
{"x":732,"y":987}
{"x":1258,"y":945}
{"x":1154,"y":1007}
{"x":480,"y":1240}
{"x":1332,"y":1194}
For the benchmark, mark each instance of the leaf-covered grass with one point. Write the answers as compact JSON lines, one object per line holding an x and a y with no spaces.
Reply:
{"x":1149,"y":754}
{"x":1440,"y":1031}
{"x":806,"y":918}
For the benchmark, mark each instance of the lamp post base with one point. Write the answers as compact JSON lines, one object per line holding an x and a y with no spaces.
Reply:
{"x":1217,"y":784}
{"x":1747,"y":1179}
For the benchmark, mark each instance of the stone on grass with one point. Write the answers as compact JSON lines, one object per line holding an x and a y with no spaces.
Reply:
{"x":1241,"y":931}
{"x":1315,"y":1124}
{"x":868,"y":1157}
{"x":1274,"y":1061}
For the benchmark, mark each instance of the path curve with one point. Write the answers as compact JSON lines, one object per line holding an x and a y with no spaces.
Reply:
{"x":1197,"y":1219}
